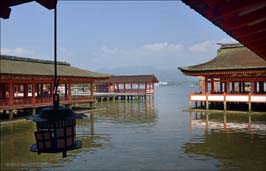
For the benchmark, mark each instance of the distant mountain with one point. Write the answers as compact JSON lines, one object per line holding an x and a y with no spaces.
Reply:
{"x":172,"y":75}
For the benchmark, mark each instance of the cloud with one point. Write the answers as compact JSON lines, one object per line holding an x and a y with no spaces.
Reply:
{"x":163,"y":47}
{"x":20,"y":52}
{"x":202,"y":47}
{"x":227,"y":40}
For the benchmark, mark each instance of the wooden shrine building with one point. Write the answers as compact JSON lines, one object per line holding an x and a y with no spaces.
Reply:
{"x":235,"y":76}
{"x":126,"y":85}
{"x":28,"y":83}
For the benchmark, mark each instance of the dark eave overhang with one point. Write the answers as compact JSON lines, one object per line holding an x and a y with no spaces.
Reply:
{"x":5,"y":5}
{"x":244,"y":20}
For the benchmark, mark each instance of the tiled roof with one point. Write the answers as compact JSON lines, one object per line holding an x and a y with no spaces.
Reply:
{"x":130,"y":79}
{"x":230,"y":57}
{"x":35,"y":67}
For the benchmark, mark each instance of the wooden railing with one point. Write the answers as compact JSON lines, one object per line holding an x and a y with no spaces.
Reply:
{"x":40,"y":101}
{"x":253,"y":98}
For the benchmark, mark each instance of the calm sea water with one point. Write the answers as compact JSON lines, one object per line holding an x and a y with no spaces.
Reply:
{"x":146,"y":135}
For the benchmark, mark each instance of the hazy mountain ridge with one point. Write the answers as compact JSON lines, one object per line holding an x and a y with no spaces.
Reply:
{"x":172,"y":75}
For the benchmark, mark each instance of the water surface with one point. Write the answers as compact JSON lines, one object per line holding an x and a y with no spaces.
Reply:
{"x":144,"y":135}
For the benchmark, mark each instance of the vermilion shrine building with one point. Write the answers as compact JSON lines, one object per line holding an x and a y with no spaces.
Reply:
{"x":28,"y":83}
{"x":126,"y":86}
{"x":236,"y":75}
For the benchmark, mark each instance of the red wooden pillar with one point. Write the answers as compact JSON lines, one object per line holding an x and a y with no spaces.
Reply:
{"x":41,"y":89}
{"x":261,"y":87}
{"x":109,"y":88}
{"x":69,"y":92}
{"x":152,"y":87}
{"x":255,"y":87}
{"x":124,"y":87}
{"x":11,"y":94}
{"x":206,"y":85}
{"x":145,"y":88}
{"x":221,"y":86}
{"x":130,"y":87}
{"x":25,"y":90}
{"x":91,"y":84}
{"x":33,"y":98}
{"x":243,"y":88}
{"x":226,"y":87}
{"x":138,"y":87}
{"x":65,"y":91}
{"x":212,"y":85}
{"x":233,"y":87}
{"x":240,"y":87}
{"x":252,"y":85}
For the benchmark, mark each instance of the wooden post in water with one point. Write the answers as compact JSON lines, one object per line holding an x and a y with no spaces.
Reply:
{"x":249,"y":102}
{"x":225,"y":121}
{"x":207,"y":102}
{"x":207,"y":119}
{"x":225,"y":102}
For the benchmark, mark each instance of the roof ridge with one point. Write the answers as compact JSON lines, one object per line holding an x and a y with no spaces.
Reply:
{"x":16,"y":58}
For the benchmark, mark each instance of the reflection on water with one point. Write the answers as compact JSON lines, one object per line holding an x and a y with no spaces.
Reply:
{"x":250,"y":123}
{"x":236,"y":140}
{"x":16,"y":138}
{"x":146,"y":135}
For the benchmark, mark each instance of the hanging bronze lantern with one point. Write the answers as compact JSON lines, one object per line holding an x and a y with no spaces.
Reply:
{"x":56,"y":131}
{"x":56,"y":126}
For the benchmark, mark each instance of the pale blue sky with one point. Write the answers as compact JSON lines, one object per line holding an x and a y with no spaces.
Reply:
{"x":95,"y":35}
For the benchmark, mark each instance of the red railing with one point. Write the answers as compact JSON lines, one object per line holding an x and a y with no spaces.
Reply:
{"x":40,"y":101}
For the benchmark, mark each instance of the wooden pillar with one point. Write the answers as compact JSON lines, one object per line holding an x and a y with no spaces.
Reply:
{"x":108,"y":88}
{"x":91,"y":89}
{"x":225,"y":108}
{"x":207,"y":102}
{"x":201,"y":85}
{"x":34,"y":111}
{"x":212,"y":85}
{"x":152,"y":84}
{"x":226,"y":87}
{"x":206,"y":85}
{"x":261,"y":87}
{"x":233,"y":87}
{"x":255,"y":87}
{"x":65,"y":91}
{"x":33,"y":100}
{"x":130,"y":87}
{"x":41,"y":89}
{"x":124,"y":87}
{"x":11,"y":113}
{"x":69,"y":92}
{"x":249,"y":102}
{"x":25,"y":90}
{"x":145,"y":88}
{"x":138,"y":87}
{"x":243,"y":88}
{"x":252,"y":87}
{"x":225,"y":121}
{"x":118,"y":87}
{"x":240,"y":87}
{"x":221,"y":86}
{"x":11,"y":94}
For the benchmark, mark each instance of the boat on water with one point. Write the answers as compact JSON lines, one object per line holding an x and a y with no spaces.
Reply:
{"x":161,"y":83}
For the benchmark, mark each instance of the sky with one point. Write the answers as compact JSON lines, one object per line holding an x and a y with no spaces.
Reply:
{"x":107,"y":35}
